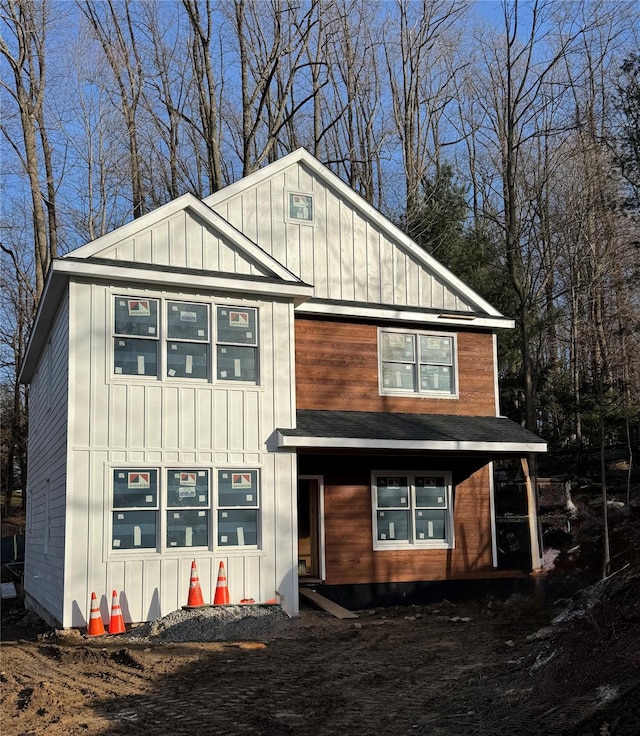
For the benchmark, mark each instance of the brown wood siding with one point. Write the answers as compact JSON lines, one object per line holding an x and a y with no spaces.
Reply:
{"x":337,"y":369}
{"x":350,"y":558}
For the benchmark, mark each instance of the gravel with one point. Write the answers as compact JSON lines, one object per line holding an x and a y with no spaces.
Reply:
{"x":215,"y":623}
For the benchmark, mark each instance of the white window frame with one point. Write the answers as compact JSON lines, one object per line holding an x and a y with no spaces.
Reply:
{"x":413,"y":542}
{"x":222,"y":344}
{"x":164,"y":328}
{"x":218,"y":508}
{"x":177,"y":509}
{"x":156,"y":338}
{"x":287,"y":207}
{"x":161,"y":508}
{"x":416,"y":362}
{"x":162,"y":339}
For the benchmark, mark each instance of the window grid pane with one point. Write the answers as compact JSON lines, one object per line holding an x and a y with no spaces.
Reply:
{"x":135,"y":488}
{"x":237,"y":326}
{"x":134,"y":530}
{"x":137,"y":317}
{"x":187,"y":360}
{"x":188,"y":321}
{"x":187,"y":528}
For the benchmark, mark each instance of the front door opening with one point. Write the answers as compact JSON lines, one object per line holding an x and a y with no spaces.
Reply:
{"x":308,"y":528}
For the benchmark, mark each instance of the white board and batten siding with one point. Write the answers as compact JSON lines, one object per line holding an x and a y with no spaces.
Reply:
{"x":146,"y":422}
{"x":182,"y":240}
{"x":345,"y":252}
{"x":44,"y":573}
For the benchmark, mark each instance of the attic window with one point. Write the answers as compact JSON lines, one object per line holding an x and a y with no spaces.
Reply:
{"x":300,"y":207}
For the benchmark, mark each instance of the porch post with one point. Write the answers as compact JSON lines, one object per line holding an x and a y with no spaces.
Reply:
{"x":532,"y":513}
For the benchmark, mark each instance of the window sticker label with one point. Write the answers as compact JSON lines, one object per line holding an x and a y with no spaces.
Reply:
{"x":187,"y":479}
{"x":239,"y":319}
{"x":241,"y":480}
{"x":393,"y":483}
{"x":138,"y":480}
{"x":301,"y":207}
{"x":188,"y":317}
{"x":139,"y":308}
{"x":187,"y":493}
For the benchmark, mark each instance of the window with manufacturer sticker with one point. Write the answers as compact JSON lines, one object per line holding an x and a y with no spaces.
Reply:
{"x":188,"y":508}
{"x":412,"y":510}
{"x":170,"y":339}
{"x":414,"y":362}
{"x":237,"y":344}
{"x":238,"y":505}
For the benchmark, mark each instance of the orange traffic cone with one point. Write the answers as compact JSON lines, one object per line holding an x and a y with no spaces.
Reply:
{"x":222,"y":592}
{"x":195,"y":599}
{"x":116,"y":622}
{"x":96,"y":627}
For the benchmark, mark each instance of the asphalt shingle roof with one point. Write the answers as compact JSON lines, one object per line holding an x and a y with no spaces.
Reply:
{"x":411,"y":427}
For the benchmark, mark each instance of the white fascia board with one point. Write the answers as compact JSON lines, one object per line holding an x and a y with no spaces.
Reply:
{"x":54,"y":288}
{"x":359,"y":203}
{"x":399,"y":315}
{"x":356,"y":443}
{"x":100,"y":271}
{"x":218,"y":223}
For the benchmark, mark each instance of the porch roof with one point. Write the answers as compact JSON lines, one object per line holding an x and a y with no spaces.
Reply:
{"x":355,"y":430}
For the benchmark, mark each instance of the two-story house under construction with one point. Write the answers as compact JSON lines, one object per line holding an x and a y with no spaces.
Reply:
{"x":275,"y":377}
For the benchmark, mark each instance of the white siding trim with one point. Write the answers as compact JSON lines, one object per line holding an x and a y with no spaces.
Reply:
{"x":492,"y":511}
{"x":286,"y":441}
{"x":151,"y":276}
{"x":399,"y":315}
{"x":496,"y":385}
{"x":321,"y":540}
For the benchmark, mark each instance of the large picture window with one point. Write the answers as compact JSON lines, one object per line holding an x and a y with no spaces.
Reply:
{"x":412,"y":510}
{"x":157,"y":338}
{"x":417,"y":363}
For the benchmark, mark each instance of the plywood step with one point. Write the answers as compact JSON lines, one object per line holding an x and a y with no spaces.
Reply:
{"x":325,"y":604}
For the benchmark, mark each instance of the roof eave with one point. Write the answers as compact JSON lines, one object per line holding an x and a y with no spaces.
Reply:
{"x":357,"y":443}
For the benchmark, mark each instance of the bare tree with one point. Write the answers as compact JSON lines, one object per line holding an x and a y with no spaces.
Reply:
{"x":421,"y":83}
{"x":118,"y":40}
{"x":272,"y":44}
{"x":26,"y":21}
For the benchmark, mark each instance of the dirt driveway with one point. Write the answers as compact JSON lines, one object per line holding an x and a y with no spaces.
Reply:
{"x":397,"y":671}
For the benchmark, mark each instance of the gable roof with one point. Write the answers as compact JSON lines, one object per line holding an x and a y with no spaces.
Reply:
{"x":127,"y":255}
{"x":351,"y":430}
{"x":110,"y":246}
{"x":240,"y":203}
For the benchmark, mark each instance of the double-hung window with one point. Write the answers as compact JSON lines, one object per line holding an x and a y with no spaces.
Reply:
{"x":135,"y":351}
{"x":187,"y":340}
{"x":135,"y":509}
{"x":412,"y":510}
{"x":417,"y":363}
{"x":238,"y":508}
{"x":188,"y":502}
{"x":237,"y":344}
